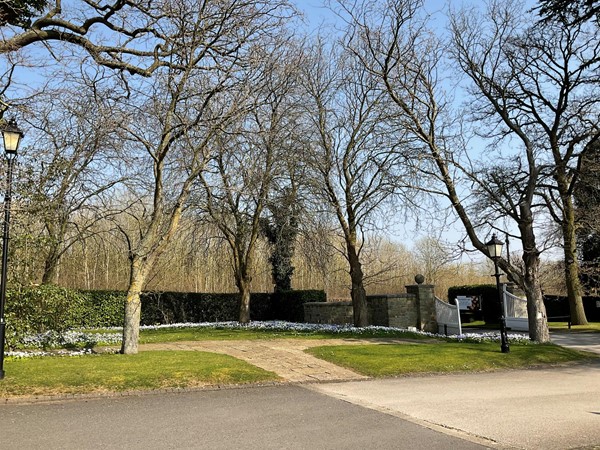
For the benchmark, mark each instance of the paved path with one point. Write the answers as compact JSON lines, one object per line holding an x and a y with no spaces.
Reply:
{"x":285,"y":357}
{"x":288,"y":359}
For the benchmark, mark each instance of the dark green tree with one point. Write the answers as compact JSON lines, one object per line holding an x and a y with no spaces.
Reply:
{"x":20,"y":12}
{"x":587,"y":201}
{"x":571,"y":11}
{"x":281,"y":229}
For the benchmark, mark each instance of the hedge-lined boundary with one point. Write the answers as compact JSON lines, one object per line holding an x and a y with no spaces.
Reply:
{"x":556,"y":305}
{"x":44,"y":308}
{"x":490,"y":306}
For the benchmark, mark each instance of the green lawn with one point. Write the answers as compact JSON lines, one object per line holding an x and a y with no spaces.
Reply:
{"x":167,"y":369}
{"x":398,"y":359}
{"x":592,"y":327}
{"x":206,"y":334}
{"x":110,"y":372}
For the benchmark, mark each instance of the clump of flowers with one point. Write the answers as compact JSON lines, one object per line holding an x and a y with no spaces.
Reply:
{"x":19,"y":355}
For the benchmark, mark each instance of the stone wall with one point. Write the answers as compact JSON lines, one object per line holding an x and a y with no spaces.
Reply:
{"x":416,"y":308}
{"x":425,"y":306}
{"x":396,"y":310}
{"x":336,"y":313}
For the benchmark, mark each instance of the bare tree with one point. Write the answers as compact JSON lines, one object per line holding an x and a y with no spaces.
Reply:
{"x":572,"y":11}
{"x":392,"y":41}
{"x":248,"y":158}
{"x":539,"y":83}
{"x":125,"y":35}
{"x":175,"y":120}
{"x":68,"y":168}
{"x":356,"y":158}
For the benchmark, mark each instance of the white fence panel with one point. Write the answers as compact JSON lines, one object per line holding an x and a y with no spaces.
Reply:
{"x":448,"y":317}
{"x":515,"y":311}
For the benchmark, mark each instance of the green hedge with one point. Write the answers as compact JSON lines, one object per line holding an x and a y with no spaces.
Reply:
{"x":490,"y":306}
{"x":103,"y":309}
{"x":289,"y":305}
{"x":39,"y":309}
{"x":52,"y":308}
{"x":558,"y":306}
{"x":177,"y":307}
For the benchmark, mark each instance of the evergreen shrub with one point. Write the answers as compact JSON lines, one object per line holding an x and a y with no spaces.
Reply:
{"x":490,"y":306}
{"x":38,"y":309}
{"x":289,"y":305}
{"x":102,"y":309}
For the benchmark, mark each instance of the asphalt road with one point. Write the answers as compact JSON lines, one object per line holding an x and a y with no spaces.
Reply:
{"x":274,"y":417}
{"x":556,"y":408}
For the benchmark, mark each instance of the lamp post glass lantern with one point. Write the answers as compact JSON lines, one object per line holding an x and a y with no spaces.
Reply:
{"x":11,"y":135}
{"x":494,"y":248}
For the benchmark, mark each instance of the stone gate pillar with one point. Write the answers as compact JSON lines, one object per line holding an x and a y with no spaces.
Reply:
{"x":426,"y":320}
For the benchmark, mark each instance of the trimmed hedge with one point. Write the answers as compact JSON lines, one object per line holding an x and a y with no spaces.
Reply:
{"x":103,"y":309}
{"x":557,"y":306}
{"x":175,"y":307}
{"x":289,"y":305}
{"x":53,"y":308}
{"x":39,"y":309}
{"x":490,"y":306}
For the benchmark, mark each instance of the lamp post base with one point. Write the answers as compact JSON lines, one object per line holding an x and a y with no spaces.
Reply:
{"x":2,"y":334}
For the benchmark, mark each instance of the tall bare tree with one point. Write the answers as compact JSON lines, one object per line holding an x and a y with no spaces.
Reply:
{"x":249,"y":156}
{"x":539,"y":83}
{"x":125,"y":35}
{"x":394,"y":44}
{"x":176,"y":117}
{"x":67,"y":168}
{"x":356,"y":158}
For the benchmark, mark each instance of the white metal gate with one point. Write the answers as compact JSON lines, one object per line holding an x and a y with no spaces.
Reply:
{"x":448,"y":317}
{"x":515,"y":311}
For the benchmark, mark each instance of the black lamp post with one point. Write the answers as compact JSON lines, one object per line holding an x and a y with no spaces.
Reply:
{"x":12,"y":136}
{"x":494,"y":247}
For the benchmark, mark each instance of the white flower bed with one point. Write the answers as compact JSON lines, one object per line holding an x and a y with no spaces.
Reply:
{"x":90,"y":339}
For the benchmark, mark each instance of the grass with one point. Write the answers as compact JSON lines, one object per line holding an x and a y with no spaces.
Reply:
{"x":399,"y":359}
{"x":592,"y":327}
{"x":206,"y":334}
{"x":111,"y":372}
{"x":481,"y":325}
{"x":172,"y":369}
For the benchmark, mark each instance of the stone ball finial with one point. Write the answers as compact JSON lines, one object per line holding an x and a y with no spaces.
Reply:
{"x":420,"y":279}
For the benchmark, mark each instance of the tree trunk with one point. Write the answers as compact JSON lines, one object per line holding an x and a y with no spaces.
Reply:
{"x":536,"y":310}
{"x":571,"y":265}
{"x":133,"y":309}
{"x":358,"y":293}
{"x":243,"y":280}
{"x":50,"y":275}
{"x":244,"y":289}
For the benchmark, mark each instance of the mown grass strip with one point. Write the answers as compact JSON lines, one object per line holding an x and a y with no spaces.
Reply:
{"x":399,"y":359}
{"x":204,"y":334}
{"x":592,"y":327}
{"x":112,"y":372}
